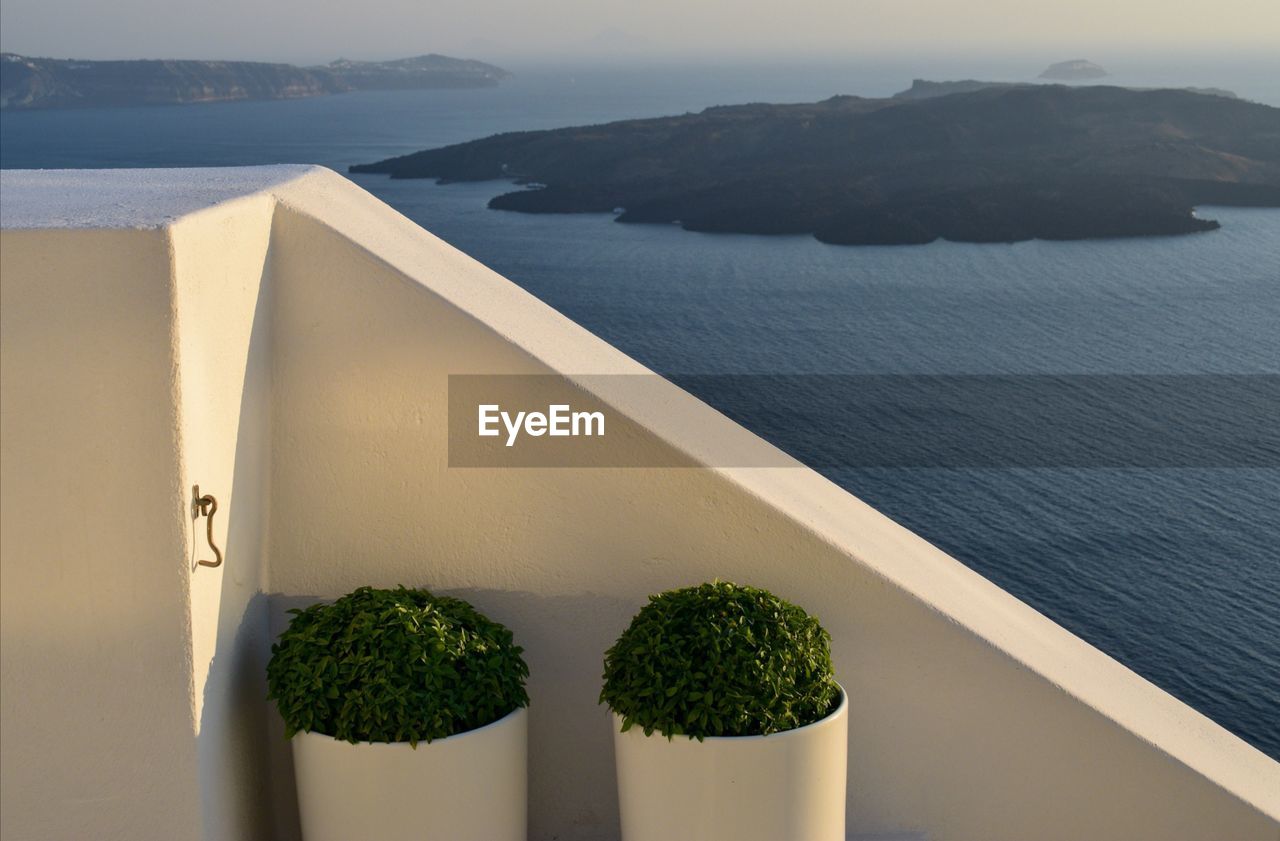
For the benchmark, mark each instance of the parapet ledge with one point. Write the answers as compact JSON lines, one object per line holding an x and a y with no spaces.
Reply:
{"x":140,"y":199}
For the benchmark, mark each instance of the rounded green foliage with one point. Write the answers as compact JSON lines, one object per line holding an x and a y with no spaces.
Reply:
{"x":394,"y":666}
{"x":720,"y":660}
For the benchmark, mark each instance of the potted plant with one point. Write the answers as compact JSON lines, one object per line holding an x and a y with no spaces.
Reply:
{"x":729,"y":723}
{"x":407,"y":714}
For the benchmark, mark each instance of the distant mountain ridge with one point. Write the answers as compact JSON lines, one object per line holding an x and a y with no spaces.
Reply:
{"x":995,"y":164}
{"x":33,"y":83}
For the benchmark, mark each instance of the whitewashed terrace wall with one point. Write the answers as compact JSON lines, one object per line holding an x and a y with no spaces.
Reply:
{"x":299,"y":356}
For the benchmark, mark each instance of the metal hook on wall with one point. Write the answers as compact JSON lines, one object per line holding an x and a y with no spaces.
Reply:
{"x":206,"y":506}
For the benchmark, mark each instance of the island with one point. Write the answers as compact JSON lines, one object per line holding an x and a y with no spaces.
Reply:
{"x":34,"y":83}
{"x":995,"y":164}
{"x":1076,"y":70}
{"x":925,"y":89}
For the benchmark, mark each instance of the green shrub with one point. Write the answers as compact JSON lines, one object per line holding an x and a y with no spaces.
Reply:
{"x":394,"y":666}
{"x":720,"y":660}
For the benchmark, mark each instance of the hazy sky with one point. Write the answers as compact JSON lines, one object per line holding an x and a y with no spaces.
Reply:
{"x":314,"y":31}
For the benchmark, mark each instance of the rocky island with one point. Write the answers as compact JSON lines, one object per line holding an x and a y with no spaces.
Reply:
{"x":994,"y":164}
{"x":1075,"y":70}
{"x":30,"y":83}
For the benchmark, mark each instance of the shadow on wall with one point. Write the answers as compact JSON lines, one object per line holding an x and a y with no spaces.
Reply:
{"x":234,"y":760}
{"x":554,"y":656}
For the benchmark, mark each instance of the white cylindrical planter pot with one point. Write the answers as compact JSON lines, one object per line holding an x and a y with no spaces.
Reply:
{"x":788,"y":785}
{"x":470,"y":786}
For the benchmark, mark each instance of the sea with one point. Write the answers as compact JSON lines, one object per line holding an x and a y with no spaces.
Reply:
{"x":1172,"y":568}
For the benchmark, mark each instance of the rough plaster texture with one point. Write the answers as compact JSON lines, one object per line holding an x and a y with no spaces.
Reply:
{"x":304,"y":339}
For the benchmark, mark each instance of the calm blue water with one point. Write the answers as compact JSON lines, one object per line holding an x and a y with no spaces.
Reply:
{"x":1176,"y":572}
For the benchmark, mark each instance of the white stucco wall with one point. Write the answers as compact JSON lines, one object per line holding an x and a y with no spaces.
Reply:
{"x":96,"y":737}
{"x":136,"y":362}
{"x":312,"y":330}
{"x":222,"y":302}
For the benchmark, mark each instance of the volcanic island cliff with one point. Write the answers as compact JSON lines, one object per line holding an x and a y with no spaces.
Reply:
{"x":35,"y":83}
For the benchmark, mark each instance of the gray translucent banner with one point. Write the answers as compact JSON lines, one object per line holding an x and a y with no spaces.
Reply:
{"x":857,"y":421}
